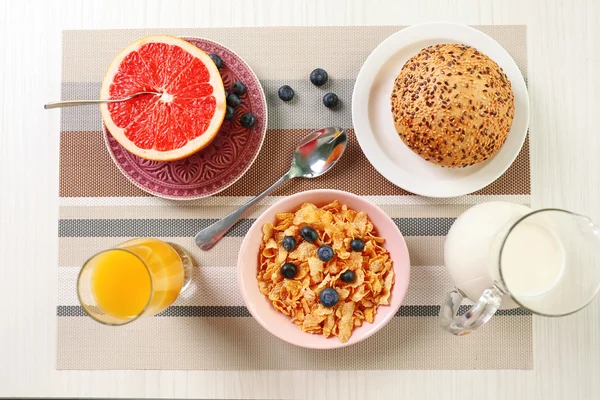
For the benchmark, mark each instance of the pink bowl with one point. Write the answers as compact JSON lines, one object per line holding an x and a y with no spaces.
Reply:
{"x":280,"y":325}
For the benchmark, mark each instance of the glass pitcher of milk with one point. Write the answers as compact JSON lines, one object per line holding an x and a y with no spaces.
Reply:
{"x":505,"y":255}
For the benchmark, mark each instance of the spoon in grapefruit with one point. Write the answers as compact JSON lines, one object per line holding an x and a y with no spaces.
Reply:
{"x":72,"y":103}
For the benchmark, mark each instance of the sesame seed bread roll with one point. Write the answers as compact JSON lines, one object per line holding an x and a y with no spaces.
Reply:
{"x":452,"y":105}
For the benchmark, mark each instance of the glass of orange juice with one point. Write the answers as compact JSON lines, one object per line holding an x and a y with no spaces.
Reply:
{"x":140,"y":277}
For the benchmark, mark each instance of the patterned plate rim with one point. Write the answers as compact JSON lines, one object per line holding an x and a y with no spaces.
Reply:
{"x":263,"y":134}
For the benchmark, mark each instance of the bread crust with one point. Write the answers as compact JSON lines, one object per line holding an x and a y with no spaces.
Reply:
{"x":452,"y":105}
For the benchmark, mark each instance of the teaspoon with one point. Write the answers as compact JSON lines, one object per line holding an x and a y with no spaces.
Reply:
{"x":314,"y":156}
{"x":71,"y":103}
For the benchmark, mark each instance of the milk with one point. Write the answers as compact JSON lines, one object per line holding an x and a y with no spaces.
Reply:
{"x":531,"y":262}
{"x":469,"y":242}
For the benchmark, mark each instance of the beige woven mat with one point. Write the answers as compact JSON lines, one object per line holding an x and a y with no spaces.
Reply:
{"x":209,"y":328}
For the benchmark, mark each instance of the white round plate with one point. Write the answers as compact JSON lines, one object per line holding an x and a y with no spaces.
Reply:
{"x":374,"y":123}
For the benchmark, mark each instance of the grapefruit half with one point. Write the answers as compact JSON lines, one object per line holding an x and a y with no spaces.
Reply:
{"x":183,"y":119}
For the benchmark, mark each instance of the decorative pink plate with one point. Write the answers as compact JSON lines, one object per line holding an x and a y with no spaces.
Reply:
{"x":222,"y":162}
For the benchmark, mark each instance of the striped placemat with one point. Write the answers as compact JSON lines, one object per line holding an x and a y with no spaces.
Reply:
{"x":208,"y":328}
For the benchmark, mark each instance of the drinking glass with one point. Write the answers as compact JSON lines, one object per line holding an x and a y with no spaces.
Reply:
{"x":548,"y":262}
{"x":137,"y":278}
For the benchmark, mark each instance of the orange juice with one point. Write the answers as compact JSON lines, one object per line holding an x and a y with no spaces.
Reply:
{"x":121,"y":284}
{"x":138,"y":277}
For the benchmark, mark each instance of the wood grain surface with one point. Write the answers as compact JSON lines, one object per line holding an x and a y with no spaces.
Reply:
{"x":564,"y":86}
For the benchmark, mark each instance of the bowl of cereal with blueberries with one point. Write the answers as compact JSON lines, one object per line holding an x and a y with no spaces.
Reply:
{"x":323,"y":269}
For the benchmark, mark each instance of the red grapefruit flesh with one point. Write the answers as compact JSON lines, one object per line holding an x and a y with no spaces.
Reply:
{"x":183,"y":119}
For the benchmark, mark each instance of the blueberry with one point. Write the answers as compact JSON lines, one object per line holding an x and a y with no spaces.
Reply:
{"x":319,"y":77}
{"x":288,"y":270}
{"x":325,"y":253}
{"x":286,"y":93}
{"x":229,"y":113}
{"x":329,"y":297}
{"x":357,"y":244}
{"x":238,"y":88}
{"x":330,"y":100}
{"x":347,"y":276}
{"x":309,"y":234}
{"x":288,"y":243}
{"x":217,"y":60}
{"x":233,"y":100}
{"x":248,"y":120}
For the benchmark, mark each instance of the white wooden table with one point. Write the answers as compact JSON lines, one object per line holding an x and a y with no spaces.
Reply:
{"x":564,"y":85}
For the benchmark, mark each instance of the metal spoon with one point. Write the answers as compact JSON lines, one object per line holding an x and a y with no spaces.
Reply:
{"x":71,"y":103}
{"x":317,"y":153}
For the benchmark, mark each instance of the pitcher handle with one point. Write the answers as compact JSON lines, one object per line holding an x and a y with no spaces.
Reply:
{"x":478,"y":314}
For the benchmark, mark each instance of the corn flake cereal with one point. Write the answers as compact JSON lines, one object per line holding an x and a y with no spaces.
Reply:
{"x":336,"y":226}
